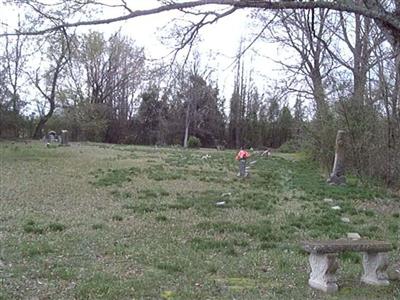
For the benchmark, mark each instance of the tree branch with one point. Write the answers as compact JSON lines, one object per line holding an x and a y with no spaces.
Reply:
{"x":389,"y":20}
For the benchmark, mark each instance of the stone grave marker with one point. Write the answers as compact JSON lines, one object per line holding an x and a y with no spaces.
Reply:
{"x":337,"y":176}
{"x":64,"y":138}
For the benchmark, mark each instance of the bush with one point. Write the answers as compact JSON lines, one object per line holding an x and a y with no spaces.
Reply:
{"x":194,"y":142}
{"x":290,"y":146}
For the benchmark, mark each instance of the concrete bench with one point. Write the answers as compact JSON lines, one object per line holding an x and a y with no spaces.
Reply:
{"x":323,"y":261}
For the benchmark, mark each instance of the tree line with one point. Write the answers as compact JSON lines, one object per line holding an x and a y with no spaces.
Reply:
{"x":344,"y":74}
{"x":104,"y":91}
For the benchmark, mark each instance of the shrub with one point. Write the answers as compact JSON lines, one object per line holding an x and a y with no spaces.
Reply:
{"x":291,"y":146}
{"x":56,"y":227}
{"x":194,"y":142}
{"x":117,"y":218}
{"x":33,"y":227}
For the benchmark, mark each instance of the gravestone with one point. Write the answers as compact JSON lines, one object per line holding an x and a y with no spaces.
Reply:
{"x":52,"y":137}
{"x":242,"y":168}
{"x":64,"y":138}
{"x":337,"y":176}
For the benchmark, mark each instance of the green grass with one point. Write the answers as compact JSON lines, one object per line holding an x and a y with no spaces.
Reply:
{"x":114,"y":176}
{"x":96,"y":221}
{"x":37,"y":228}
{"x":57,"y":227}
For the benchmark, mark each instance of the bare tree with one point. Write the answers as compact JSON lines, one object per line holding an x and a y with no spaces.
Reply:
{"x":14,"y":61}
{"x":113,"y":70}
{"x":361,"y":41}
{"x":58,"y":56}
{"x":202,"y":115}
{"x":386,"y":162}
{"x":381,"y":11}
{"x":307,"y":34}
{"x":58,"y":16}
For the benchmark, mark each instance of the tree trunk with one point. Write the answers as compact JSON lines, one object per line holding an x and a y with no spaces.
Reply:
{"x":187,"y":124}
{"x":43,"y":120}
{"x":59,"y":65}
{"x":39,"y":127}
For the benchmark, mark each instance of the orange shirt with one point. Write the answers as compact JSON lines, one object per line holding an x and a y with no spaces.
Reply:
{"x":242,"y":155}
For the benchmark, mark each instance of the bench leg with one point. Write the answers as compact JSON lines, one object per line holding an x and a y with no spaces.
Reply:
{"x":375,"y":266}
{"x":323,"y":268}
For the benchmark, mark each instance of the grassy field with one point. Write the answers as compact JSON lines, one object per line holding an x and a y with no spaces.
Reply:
{"x":96,"y":221}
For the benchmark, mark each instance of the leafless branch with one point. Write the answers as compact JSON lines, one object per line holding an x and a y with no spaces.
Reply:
{"x":259,"y":34}
{"x":388,"y":19}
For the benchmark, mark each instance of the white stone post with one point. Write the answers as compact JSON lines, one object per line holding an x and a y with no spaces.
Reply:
{"x":323,"y":268}
{"x":337,"y":176}
{"x":375,"y":266}
{"x":64,"y":138}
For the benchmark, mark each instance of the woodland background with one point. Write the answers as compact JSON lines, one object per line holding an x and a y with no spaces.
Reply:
{"x":345,"y":74}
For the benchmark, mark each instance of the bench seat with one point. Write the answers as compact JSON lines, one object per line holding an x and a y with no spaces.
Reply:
{"x":337,"y":246}
{"x":323,"y":261}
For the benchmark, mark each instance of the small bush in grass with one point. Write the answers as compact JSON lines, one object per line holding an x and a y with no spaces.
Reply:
{"x":98,"y":226}
{"x":36,"y":248}
{"x":161,"y":218}
{"x":115,"y":177}
{"x":117,"y":218}
{"x":169,"y":267}
{"x":194,"y":142}
{"x":290,"y":146}
{"x":32,"y":227}
{"x":56,"y":227}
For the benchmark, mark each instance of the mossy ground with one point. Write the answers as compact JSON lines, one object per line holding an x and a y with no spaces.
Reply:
{"x":95,"y":221}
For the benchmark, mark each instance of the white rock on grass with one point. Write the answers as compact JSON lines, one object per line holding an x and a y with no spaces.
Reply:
{"x":328,"y":200}
{"x":345,"y":220}
{"x":353,"y":236}
{"x":226,"y":194}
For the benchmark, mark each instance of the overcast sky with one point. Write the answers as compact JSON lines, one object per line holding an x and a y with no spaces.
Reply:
{"x":219,"y":41}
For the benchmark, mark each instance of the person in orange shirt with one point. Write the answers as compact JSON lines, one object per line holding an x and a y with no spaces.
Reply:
{"x":242,"y":157}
